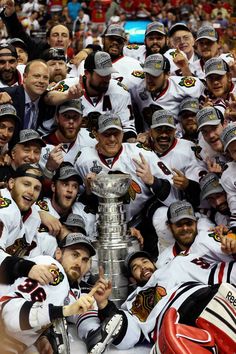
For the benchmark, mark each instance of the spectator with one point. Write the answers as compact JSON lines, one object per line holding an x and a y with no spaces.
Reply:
{"x":73,"y":9}
{"x":9,"y":75}
{"x":21,"y":49}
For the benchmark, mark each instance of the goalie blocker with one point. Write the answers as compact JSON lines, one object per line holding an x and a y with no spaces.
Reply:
{"x":216,"y":332}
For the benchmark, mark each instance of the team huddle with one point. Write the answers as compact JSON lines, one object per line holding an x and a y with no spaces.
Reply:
{"x":162,"y":112}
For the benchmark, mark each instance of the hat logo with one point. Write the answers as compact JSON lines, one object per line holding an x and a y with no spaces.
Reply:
{"x":211,"y":116}
{"x":157,"y":65}
{"x":219,"y":66}
{"x":169,"y":120}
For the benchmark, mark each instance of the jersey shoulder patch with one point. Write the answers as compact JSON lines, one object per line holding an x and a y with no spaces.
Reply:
{"x":132,"y":46}
{"x":57,"y":277}
{"x":142,"y":146}
{"x":43,"y":205}
{"x":214,"y":236}
{"x":187,"y":81}
{"x":4,"y":202}
{"x":197,"y":149}
{"x":122,"y":85}
{"x":138,"y":73}
{"x":61,"y":87}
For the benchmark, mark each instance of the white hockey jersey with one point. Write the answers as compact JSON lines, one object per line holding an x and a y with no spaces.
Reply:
{"x":182,"y":156}
{"x":22,"y":325}
{"x":177,"y":89}
{"x":169,"y":287}
{"x":206,"y":244}
{"x":17,"y":234}
{"x":197,"y":67}
{"x":116,"y":100}
{"x":90,"y":161}
{"x":228,"y":182}
{"x":135,"y":51}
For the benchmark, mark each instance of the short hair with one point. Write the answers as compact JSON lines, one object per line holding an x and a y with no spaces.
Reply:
{"x":48,"y":33}
{"x":28,"y":65}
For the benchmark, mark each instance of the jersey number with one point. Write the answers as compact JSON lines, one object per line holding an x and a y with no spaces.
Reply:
{"x":32,"y":287}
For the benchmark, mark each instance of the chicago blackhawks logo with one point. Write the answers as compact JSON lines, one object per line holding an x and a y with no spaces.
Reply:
{"x":146,"y":300}
{"x":4,"y":202}
{"x":43,"y":205}
{"x":57,"y":277}
{"x":187,"y":81}
{"x":137,"y":73}
{"x":61,"y":87}
{"x":132,"y":46}
{"x":215,"y":236}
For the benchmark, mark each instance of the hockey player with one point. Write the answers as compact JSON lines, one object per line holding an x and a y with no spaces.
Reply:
{"x":19,"y":225}
{"x":227,"y":178}
{"x":65,"y":190}
{"x":36,"y":306}
{"x":114,"y":39}
{"x":110,"y":155}
{"x":159,"y":290}
{"x":211,"y":123}
{"x":154,"y":42}
{"x":192,"y":236}
{"x":207,"y":44}
{"x":187,"y":115}
{"x":158,"y":90}
{"x":213,"y":192}
{"x":101,"y":93}
{"x":219,"y":82}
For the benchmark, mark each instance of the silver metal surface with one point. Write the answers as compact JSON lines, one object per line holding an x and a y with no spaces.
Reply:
{"x":113,"y":243}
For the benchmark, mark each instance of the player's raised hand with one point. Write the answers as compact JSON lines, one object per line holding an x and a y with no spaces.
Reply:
{"x":230,"y":112}
{"x":213,"y":166}
{"x":179,"y":180}
{"x":103,"y":290}
{"x":75,"y":91}
{"x":228,"y":243}
{"x":143,"y":170}
{"x":5,"y":98}
{"x":55,"y":158}
{"x":9,"y":6}
{"x":43,"y":273}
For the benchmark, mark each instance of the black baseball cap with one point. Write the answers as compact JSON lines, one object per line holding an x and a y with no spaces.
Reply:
{"x":77,"y":238}
{"x":136,"y":254}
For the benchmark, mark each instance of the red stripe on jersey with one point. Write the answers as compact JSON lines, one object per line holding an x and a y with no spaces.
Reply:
{"x":221,"y":272}
{"x":6,"y":298}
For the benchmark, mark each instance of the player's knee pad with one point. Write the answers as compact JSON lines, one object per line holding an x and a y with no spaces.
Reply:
{"x":177,"y":338}
{"x":219,"y":318}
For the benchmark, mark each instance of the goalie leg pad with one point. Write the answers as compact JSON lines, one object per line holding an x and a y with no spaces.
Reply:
{"x":219,"y":318}
{"x":177,"y":338}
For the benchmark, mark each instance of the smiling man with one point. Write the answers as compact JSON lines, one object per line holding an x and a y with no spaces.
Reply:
{"x":28,"y":97}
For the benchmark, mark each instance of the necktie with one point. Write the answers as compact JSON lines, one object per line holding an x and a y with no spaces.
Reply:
{"x":30,"y":118}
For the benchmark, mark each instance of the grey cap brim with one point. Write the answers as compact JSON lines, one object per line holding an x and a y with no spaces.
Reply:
{"x":153,"y":31}
{"x":230,"y":141}
{"x":210,"y":122}
{"x":181,"y":217}
{"x":211,"y":191}
{"x":105,"y":71}
{"x":112,"y":126}
{"x":155,"y":73}
{"x":114,"y":35}
{"x":163,"y":125}
{"x":69,"y":175}
{"x":207,"y":37}
{"x":217,"y":72}
{"x":194,"y":110}
{"x":66,"y":109}
{"x":40,"y":141}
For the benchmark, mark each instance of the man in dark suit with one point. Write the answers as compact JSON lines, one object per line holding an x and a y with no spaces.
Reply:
{"x":28,"y":97}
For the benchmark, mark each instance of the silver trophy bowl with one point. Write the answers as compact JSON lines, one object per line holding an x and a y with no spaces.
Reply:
{"x":110,"y":186}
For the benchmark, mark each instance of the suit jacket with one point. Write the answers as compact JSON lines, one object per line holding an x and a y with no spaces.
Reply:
{"x":17,"y":94}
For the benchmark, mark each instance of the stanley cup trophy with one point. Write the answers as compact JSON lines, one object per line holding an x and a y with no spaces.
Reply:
{"x":113,"y":242}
